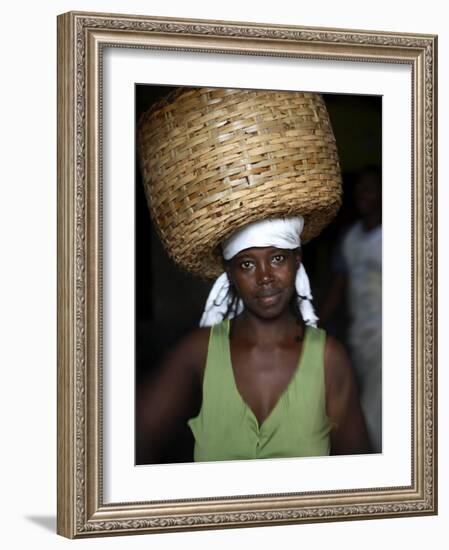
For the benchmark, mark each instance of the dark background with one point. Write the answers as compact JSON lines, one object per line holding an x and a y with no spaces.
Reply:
{"x":169,"y":303}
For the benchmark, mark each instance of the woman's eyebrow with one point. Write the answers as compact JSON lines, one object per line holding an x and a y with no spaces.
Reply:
{"x":243,"y":253}
{"x":241,"y":257}
{"x":270,"y":249}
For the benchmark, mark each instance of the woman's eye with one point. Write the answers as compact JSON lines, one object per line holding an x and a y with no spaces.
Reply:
{"x":278,"y":258}
{"x":246,"y":265}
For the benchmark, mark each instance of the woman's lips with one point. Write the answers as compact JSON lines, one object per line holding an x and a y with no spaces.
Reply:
{"x":268,"y":292}
{"x":268,"y":297}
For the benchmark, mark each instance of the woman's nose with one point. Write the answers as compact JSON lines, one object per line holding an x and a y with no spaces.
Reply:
{"x":264,"y":274}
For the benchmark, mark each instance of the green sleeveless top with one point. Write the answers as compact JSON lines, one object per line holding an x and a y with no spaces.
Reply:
{"x":226,"y":427}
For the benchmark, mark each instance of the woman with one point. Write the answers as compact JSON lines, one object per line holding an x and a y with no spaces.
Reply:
{"x":262,"y":381}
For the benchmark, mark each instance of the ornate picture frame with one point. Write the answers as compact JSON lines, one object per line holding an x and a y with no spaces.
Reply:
{"x":83,"y":39}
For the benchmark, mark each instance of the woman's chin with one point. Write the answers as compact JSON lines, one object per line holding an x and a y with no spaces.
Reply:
{"x":268,"y":309}
{"x":270,"y":302}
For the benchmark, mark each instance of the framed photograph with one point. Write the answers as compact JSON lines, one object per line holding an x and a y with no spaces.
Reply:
{"x":120,"y":296}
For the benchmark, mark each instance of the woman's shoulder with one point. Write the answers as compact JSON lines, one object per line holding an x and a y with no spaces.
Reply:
{"x":198,"y":337}
{"x":195,"y":341}
{"x":333,"y":345}
{"x":191,"y":350}
{"x":337,"y":365}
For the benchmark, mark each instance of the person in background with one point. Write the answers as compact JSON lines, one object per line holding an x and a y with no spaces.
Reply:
{"x":358,"y":276}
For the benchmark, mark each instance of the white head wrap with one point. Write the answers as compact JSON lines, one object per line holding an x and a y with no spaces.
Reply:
{"x":280,"y":233}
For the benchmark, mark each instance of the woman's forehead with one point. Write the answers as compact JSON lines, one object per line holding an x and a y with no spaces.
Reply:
{"x":262,"y":250}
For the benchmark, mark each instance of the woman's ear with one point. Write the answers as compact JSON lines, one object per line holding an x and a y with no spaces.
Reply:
{"x":298,"y":257}
{"x":227,"y":269}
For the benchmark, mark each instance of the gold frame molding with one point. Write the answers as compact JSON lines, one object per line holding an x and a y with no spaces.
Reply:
{"x":81,"y":39}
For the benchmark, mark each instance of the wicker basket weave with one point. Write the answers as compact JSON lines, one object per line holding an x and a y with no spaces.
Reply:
{"x":214,"y":160}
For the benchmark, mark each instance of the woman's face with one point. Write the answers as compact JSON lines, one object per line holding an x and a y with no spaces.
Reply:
{"x":265,"y":279}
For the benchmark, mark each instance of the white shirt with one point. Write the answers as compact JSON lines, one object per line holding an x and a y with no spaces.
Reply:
{"x":362,"y":252}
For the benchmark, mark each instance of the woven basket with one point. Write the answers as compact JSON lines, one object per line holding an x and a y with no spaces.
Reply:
{"x":214,"y":160}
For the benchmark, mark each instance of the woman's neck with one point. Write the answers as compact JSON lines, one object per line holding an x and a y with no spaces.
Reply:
{"x":267,"y":332}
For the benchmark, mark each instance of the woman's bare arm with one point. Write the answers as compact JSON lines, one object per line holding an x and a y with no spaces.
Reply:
{"x":168,"y":399}
{"x":349,"y":434}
